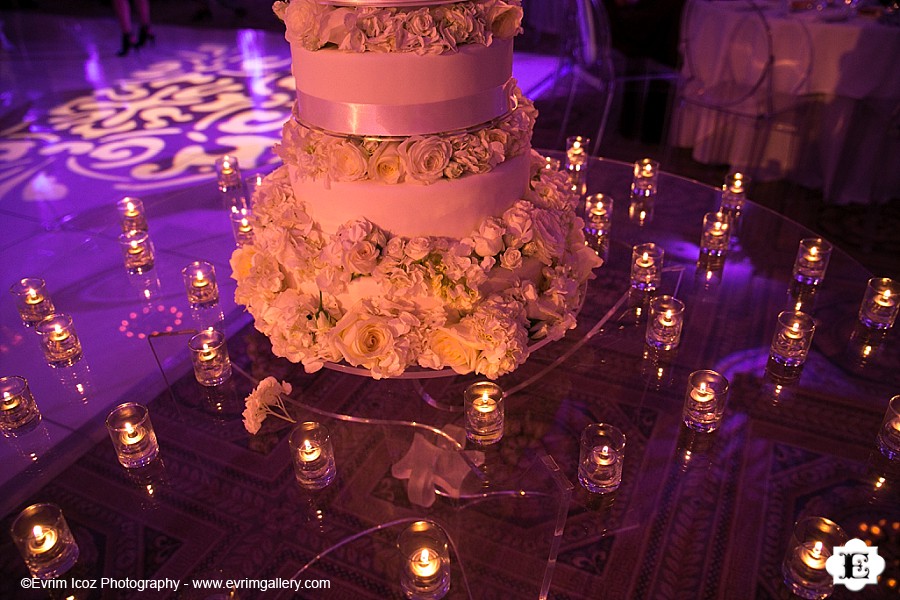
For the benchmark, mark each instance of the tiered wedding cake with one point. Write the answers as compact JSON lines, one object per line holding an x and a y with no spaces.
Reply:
{"x":411,"y":223}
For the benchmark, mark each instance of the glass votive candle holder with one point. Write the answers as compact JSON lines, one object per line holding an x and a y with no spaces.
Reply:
{"x":425,"y":561}
{"x":312,"y":455}
{"x":714,"y":240}
{"x":32,"y":300}
{"x":484,"y":412}
{"x":18,"y":410}
{"x":880,"y":304}
{"x":251,"y":184}
{"x":44,"y":540}
{"x":704,"y":400}
{"x":601,"y":457}
{"x":59,"y":341}
{"x":734,"y":191}
{"x":132,"y":435}
{"x":889,"y":434}
{"x":131,"y":212}
{"x":812,"y":542}
{"x":646,"y":266}
{"x":646,"y":175}
{"x":209,"y":355}
{"x":790,"y":345}
{"x":665,"y":322}
{"x":200,"y":283}
{"x":228,"y":173}
{"x":598,"y":212}
{"x":812,"y":260}
{"x":577,"y":150}
{"x":137,"y":250}
{"x":241,"y":226}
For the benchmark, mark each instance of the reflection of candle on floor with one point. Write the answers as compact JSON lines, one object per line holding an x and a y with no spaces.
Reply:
{"x":309,"y":451}
{"x":425,"y":563}
{"x":44,"y":540}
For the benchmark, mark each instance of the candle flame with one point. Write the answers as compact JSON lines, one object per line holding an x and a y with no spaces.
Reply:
{"x":642,"y":215}
{"x":817,"y":549}
{"x":130,"y":206}
{"x":33,"y":292}
{"x":38,"y":532}
{"x":814,"y":250}
{"x":702,"y":387}
{"x":57,"y":329}
{"x":199,"y":276}
{"x":646,"y":255}
{"x":668,"y":315}
{"x":205,"y":347}
{"x":796,"y":327}
{"x":129,"y":429}
{"x":307,"y":447}
{"x":886,"y":294}
{"x":134,"y":244}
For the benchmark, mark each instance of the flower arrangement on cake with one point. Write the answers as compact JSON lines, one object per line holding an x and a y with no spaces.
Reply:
{"x":385,"y":303}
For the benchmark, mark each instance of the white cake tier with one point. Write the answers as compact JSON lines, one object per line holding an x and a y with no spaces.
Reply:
{"x":402,"y":93}
{"x":448,"y":208}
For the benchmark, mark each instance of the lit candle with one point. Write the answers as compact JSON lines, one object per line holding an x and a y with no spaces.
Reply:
{"x":135,"y":248}
{"x":667,"y":319}
{"x":793,"y":332}
{"x":199,"y":280}
{"x":483,"y":402}
{"x":44,"y":540}
{"x":645,"y":261}
{"x":602,"y":456}
{"x":485,"y":405}
{"x":425,"y":563}
{"x":702,"y":393}
{"x":884,"y":299}
{"x":9,"y":401}
{"x":207,"y":353}
{"x":813,"y":555}
{"x":245,"y":225}
{"x":309,"y":451}
{"x":130,"y":209}
{"x":33,"y":297}
{"x":132,"y":435}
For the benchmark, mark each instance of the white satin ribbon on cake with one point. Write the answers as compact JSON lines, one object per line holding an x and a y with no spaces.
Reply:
{"x":353,"y":118}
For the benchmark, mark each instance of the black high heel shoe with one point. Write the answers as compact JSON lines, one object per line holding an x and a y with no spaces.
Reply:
{"x":128,"y":43}
{"x":144,"y":36}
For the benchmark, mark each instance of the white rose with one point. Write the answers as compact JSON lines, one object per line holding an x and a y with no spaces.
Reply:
{"x":505,"y":20}
{"x":385,"y":164}
{"x":549,"y":236}
{"x":346,"y":161}
{"x":418,"y":248}
{"x":420,"y":23}
{"x":333,"y":27}
{"x":455,"y":347}
{"x":489,"y":239}
{"x":362,"y":258}
{"x":394,"y":248}
{"x":512,"y":259}
{"x":518,"y":224}
{"x":425,"y":159}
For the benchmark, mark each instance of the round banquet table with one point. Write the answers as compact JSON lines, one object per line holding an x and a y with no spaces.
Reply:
{"x":696,"y":515}
{"x":841,"y":72}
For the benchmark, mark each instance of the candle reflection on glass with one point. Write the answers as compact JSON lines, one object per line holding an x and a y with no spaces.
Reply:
{"x":646,"y":266}
{"x":577,"y":150}
{"x":59,"y":341}
{"x":18,"y":410}
{"x":704,"y":402}
{"x":131,"y":213}
{"x":251,"y":184}
{"x":809,"y":547}
{"x":44,"y":540}
{"x":665,"y":322}
{"x":132,"y":435}
{"x":32,"y":300}
{"x":137,"y":252}
{"x":483,"y":402}
{"x":200,"y":283}
{"x":425,"y":556}
{"x":889,"y":434}
{"x":880,"y":304}
{"x":312,"y":455}
{"x":601,"y":457}
{"x":209,"y":355}
{"x":812,"y":260}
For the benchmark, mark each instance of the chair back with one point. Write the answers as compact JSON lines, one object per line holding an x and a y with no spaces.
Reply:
{"x":726,"y":65}
{"x":594,"y":51}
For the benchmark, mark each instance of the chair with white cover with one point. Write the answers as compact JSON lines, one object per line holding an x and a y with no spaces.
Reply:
{"x":742,"y":86}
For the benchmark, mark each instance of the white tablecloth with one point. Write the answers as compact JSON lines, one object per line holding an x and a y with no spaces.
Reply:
{"x":852,"y":65}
